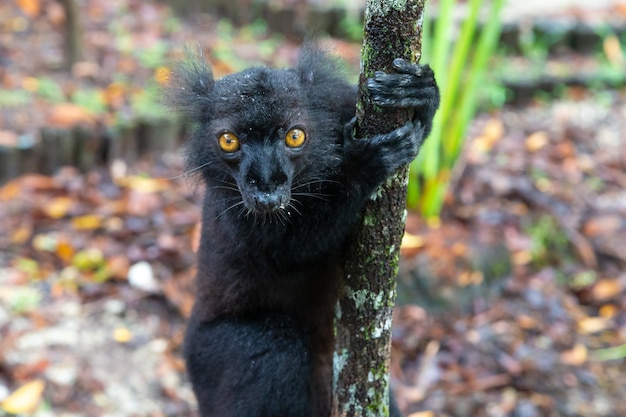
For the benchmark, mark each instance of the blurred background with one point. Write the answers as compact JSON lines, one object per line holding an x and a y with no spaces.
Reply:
{"x":512,"y":288}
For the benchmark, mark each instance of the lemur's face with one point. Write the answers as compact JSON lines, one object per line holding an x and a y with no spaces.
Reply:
{"x":266,"y":151}
{"x":263,"y":165}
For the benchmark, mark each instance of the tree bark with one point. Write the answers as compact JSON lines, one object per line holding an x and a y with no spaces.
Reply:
{"x":363,"y":317}
{"x":73,"y":33}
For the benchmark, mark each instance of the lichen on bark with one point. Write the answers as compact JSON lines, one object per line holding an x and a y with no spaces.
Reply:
{"x":363,"y":323}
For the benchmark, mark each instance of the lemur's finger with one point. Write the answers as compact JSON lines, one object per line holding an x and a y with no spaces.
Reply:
{"x":348,"y":129}
{"x":404,"y":67}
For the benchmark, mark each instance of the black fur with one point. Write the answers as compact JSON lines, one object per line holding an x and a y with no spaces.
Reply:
{"x":275,"y":222}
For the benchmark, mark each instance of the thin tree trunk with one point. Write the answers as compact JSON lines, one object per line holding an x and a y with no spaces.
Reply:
{"x":363,"y":321}
{"x":73,"y":33}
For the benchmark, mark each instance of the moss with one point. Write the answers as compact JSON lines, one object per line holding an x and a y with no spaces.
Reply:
{"x":373,"y":255}
{"x":383,"y":8}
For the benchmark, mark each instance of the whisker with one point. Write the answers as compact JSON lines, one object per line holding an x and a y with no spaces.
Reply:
{"x":321,"y":181}
{"x":229,"y":208}
{"x":184,"y":174}
{"x":292,"y":206}
{"x":224,"y":187}
{"x":319,"y":196}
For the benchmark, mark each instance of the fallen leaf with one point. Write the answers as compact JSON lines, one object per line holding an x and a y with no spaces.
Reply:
{"x":613,"y":50}
{"x":59,"y":207}
{"x":114,"y":94}
{"x":576,"y":356}
{"x":10,"y":191}
{"x":122,"y":335}
{"x":88,"y":259}
{"x":602,"y":225}
{"x":470,"y":278}
{"x":606,"y":289}
{"x":423,"y":414}
{"x":521,"y":257}
{"x":590,"y":325}
{"x":118,"y":266}
{"x":411,"y":241}
{"x":143,"y":184}
{"x":30,"y":84}
{"x":69,"y":115}
{"x":64,"y":250}
{"x":25,"y":399}
{"x":45,"y":242}
{"x":20,"y":235}
{"x":608,"y":311}
{"x":37,"y":182}
{"x":162,"y":75}
{"x":492,"y":133}
{"x":141,"y":275}
{"x":30,"y":8}
{"x":87,"y":222}
{"x":8,"y":138}
{"x":536,"y":141}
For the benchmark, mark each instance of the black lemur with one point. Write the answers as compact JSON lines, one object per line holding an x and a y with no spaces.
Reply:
{"x":285,"y":182}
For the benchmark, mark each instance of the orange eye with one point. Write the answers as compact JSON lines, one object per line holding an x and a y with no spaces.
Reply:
{"x":295,"y":138}
{"x":228,"y":142}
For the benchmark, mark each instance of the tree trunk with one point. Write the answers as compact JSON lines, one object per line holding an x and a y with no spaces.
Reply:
{"x":73,"y":33}
{"x":363,"y":320}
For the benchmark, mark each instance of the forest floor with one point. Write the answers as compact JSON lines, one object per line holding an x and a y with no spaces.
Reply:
{"x":514,"y":304}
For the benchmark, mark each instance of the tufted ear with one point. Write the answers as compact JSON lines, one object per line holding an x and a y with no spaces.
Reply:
{"x":190,"y":85}
{"x":315,"y":65}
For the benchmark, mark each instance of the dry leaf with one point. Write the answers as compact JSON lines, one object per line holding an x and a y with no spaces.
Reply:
{"x":114,"y":94}
{"x":8,"y":138}
{"x":87,"y":222}
{"x":613,"y":50}
{"x":492,"y":133}
{"x":162,"y":75}
{"x":30,"y":8}
{"x":521,"y":257}
{"x":144,"y":185}
{"x":466,"y":278}
{"x":411,"y":241}
{"x":118,"y":266}
{"x":423,"y":414}
{"x":59,"y":207}
{"x":608,"y":311}
{"x":30,"y":84}
{"x":590,"y":325}
{"x":64,"y":250}
{"x":37,"y":182}
{"x":527,"y":322}
{"x":536,"y":141}
{"x":68,"y":115}
{"x":20,"y":235}
{"x":602,"y":225}
{"x":25,"y":399}
{"x":576,"y":356}
{"x":10,"y":191}
{"x":606,"y":289}
{"x":122,"y":335}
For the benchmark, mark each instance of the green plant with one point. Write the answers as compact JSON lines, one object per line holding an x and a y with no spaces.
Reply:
{"x":50,"y":90}
{"x":147,"y":104}
{"x":460,"y":73}
{"x":154,"y":55}
{"x":550,"y":245}
{"x":14,"y":98}
{"x":352,"y":27}
{"x":90,"y":99}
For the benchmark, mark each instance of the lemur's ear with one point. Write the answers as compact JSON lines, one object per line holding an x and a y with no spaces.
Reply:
{"x":315,"y":65}
{"x":190,"y":84}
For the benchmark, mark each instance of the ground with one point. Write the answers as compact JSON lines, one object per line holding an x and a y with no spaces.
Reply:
{"x":513,"y":304}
